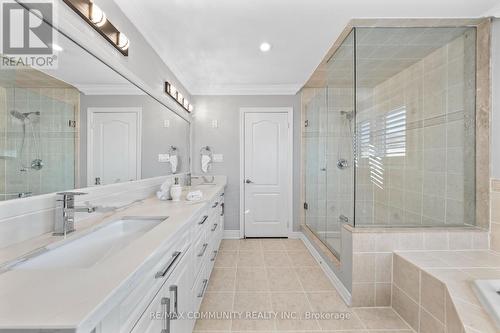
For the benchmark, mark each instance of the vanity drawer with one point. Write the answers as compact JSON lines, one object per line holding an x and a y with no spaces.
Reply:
{"x":199,"y":288}
{"x":135,"y":303}
{"x":201,"y":224}
{"x":200,"y":250}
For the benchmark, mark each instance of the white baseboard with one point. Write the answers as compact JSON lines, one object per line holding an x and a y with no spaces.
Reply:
{"x":231,"y":234}
{"x":295,"y":235}
{"x":344,"y":293}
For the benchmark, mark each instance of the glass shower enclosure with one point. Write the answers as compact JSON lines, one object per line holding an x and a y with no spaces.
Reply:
{"x":390,"y":140}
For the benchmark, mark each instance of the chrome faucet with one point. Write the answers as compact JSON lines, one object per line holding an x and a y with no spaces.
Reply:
{"x":65,"y":213}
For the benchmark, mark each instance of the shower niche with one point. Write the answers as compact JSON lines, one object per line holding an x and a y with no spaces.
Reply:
{"x":389,"y":136}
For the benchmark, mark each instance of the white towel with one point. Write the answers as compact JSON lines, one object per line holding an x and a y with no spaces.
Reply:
{"x":194,"y":195}
{"x":173,"y":163}
{"x":205,"y":163}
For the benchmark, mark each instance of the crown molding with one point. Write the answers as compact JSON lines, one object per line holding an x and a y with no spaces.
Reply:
{"x":273,"y":89}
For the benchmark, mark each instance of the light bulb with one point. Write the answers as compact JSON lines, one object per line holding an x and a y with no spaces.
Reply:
{"x":97,"y":16}
{"x":123,"y":41}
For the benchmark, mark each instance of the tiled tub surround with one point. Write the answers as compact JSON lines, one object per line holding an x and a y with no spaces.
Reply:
{"x":433,"y":290}
{"x":373,"y":249}
{"x":50,"y":294}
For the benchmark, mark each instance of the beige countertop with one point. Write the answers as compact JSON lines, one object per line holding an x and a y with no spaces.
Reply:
{"x":78,"y":299}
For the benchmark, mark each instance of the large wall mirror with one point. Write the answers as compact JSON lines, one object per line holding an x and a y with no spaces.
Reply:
{"x":82,"y":124}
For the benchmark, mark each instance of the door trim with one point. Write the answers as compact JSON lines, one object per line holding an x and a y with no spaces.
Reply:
{"x":289,"y":112}
{"x":91,"y":111}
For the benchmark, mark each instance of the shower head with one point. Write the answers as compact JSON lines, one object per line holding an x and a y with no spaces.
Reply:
{"x":23,"y":116}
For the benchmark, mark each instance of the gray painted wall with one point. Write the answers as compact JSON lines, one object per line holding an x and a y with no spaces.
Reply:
{"x":155,"y":138}
{"x":495,"y":114}
{"x":225,"y":140}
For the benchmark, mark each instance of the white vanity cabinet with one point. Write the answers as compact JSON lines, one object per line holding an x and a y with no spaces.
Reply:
{"x":168,"y":312}
{"x":175,"y":281}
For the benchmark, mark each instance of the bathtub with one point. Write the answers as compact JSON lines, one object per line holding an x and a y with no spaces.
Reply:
{"x":488,"y":292}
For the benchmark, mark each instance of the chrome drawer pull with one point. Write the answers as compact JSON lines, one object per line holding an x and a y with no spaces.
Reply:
{"x":214,"y":228}
{"x":222,"y":210}
{"x":215,"y":204}
{"x":169,"y":265}
{"x":205,"y":245}
{"x":173,"y":290}
{"x":215,"y":255}
{"x":165,"y":302}
{"x":202,"y":292}
{"x":203,"y":220}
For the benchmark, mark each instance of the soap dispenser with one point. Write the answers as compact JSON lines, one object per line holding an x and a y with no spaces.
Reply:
{"x":176,"y":190}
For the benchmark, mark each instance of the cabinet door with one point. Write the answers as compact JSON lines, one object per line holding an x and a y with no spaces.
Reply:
{"x":172,"y":303}
{"x":181,"y":304}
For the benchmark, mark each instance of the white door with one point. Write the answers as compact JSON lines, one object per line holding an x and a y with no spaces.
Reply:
{"x":113,"y":147}
{"x":266,"y":205}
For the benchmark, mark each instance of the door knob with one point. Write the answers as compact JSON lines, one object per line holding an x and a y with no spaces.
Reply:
{"x":248,"y":181}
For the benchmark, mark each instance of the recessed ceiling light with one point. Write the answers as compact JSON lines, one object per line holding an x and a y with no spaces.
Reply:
{"x":265,"y":47}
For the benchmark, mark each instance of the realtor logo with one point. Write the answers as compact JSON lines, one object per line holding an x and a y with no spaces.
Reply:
{"x":26,"y":39}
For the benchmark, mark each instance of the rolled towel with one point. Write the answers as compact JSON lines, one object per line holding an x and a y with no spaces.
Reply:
{"x":194,"y":195}
{"x":173,"y":163}
{"x":205,"y":162}
{"x":162,"y":195}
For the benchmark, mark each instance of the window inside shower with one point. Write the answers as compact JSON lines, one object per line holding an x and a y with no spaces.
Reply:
{"x":390,"y":140}
{"x":37,"y":134}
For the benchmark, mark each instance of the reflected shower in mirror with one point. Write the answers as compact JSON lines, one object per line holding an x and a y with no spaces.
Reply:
{"x":80,"y":124}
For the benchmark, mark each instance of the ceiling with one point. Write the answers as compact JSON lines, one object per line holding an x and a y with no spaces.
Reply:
{"x":213,"y":46}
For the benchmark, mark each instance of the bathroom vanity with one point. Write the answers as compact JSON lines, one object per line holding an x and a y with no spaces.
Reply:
{"x":164,"y":268}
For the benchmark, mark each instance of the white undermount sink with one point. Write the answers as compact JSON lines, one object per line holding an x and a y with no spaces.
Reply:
{"x":95,"y":246}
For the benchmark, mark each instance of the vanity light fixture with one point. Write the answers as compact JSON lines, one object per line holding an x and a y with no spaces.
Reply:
{"x":177,"y":96}
{"x":96,"y":18}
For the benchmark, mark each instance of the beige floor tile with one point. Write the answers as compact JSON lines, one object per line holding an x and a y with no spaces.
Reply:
{"x":292,"y":310}
{"x":302,"y":258}
{"x":331,"y":303}
{"x":222,"y":279}
{"x":251,"y":259}
{"x":294,"y":245}
{"x":226,"y":259}
{"x":252,"y":302}
{"x":230,"y":245}
{"x":215,"y":303}
{"x":277,"y":259}
{"x":380,"y":318}
{"x":251,"y":279}
{"x":273,"y":245}
{"x":313,"y":279}
{"x":283,"y":279}
{"x":250,"y":245}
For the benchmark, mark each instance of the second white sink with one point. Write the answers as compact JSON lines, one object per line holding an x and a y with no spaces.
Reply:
{"x":93,"y":247}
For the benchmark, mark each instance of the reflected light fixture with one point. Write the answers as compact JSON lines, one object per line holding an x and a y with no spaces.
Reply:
{"x":97,"y":19}
{"x":177,"y":96}
{"x":56,"y":47}
{"x":96,"y":15}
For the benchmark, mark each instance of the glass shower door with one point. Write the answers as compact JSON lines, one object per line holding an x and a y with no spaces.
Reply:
{"x":315,"y":163}
{"x":340,"y":143}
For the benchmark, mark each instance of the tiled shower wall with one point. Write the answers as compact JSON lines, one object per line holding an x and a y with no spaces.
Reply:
{"x":429,"y":178}
{"x":48,"y":137}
